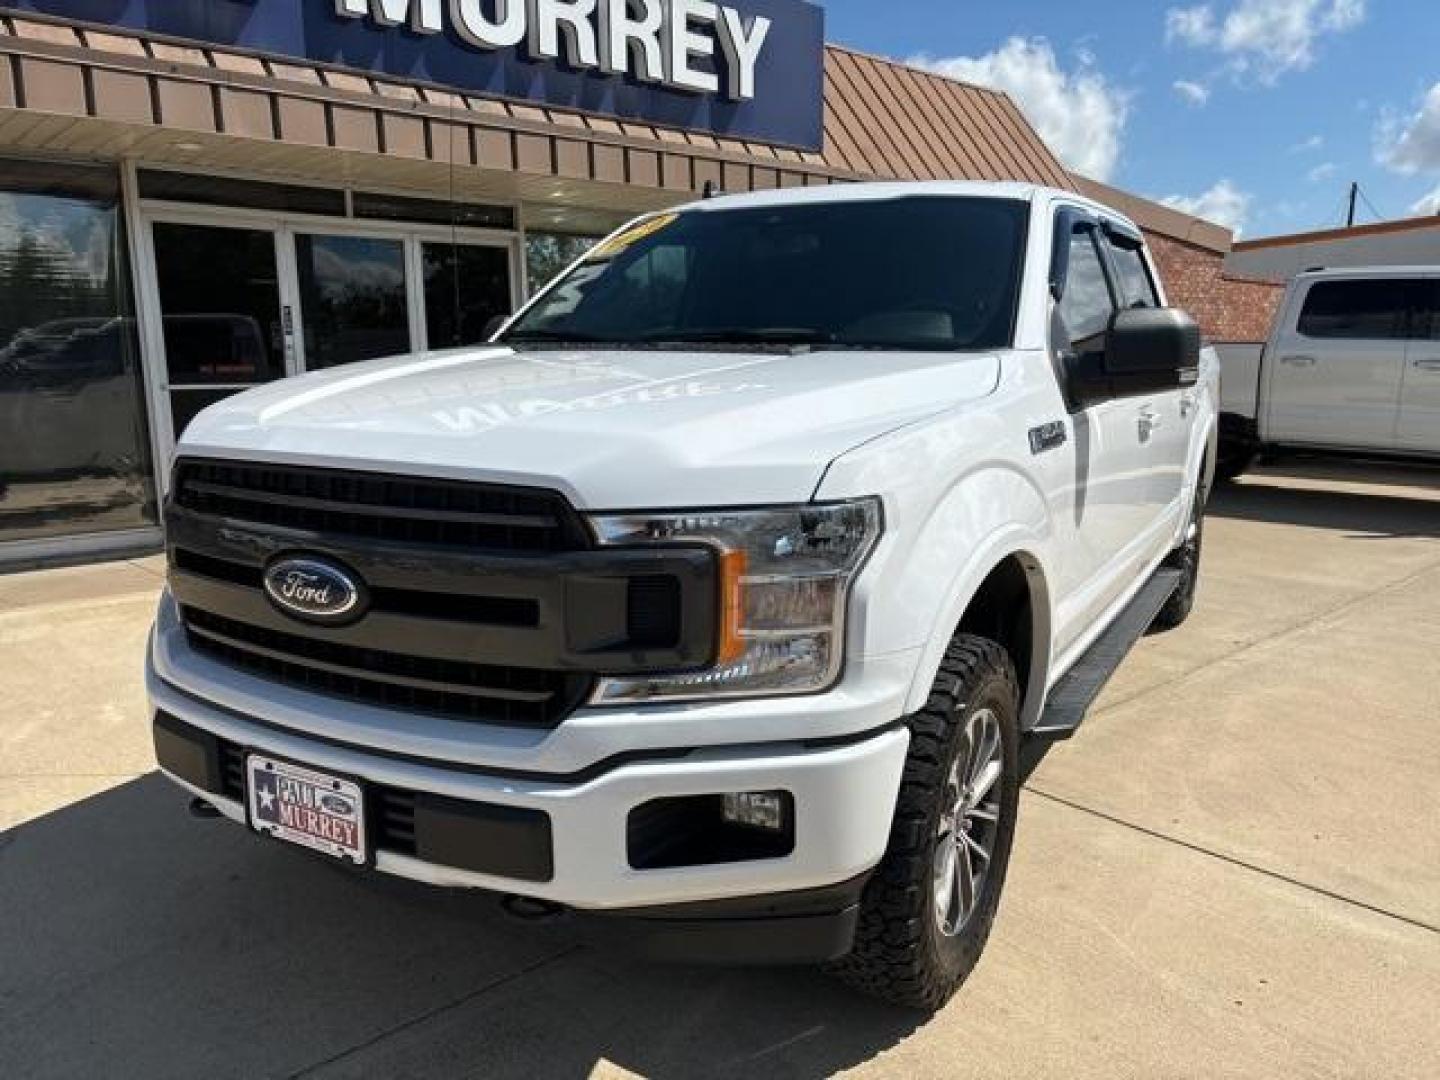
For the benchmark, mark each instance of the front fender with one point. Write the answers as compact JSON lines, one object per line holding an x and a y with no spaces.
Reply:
{"x":927,"y":575}
{"x":956,"y":599}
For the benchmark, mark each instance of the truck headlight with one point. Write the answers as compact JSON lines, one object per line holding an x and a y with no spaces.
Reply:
{"x":785,"y":578}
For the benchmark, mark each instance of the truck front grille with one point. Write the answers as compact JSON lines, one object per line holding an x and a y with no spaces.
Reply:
{"x":508,"y":696}
{"x":482,"y":603}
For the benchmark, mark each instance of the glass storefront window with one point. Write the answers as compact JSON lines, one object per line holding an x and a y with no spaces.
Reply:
{"x":74,"y":447}
{"x":353,"y":299}
{"x":546,"y":254}
{"x":466,"y":286}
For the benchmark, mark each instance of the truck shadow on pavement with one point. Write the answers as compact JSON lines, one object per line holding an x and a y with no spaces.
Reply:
{"x":138,"y":941}
{"x":1363,"y":514}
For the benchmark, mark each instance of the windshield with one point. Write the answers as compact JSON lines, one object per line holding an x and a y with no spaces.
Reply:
{"x":920,"y":272}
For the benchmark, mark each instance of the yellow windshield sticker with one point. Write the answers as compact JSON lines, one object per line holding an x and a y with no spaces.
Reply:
{"x":631,"y":236}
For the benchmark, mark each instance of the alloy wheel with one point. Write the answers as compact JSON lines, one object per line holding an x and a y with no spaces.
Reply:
{"x":969,"y":823}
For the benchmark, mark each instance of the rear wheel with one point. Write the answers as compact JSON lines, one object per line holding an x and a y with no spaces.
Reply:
{"x":927,"y":912}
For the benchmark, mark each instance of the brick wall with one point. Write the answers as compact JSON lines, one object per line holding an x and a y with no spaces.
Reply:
{"x":1228,"y":308}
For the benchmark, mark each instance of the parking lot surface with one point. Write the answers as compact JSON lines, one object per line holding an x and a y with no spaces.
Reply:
{"x":1233,"y":870}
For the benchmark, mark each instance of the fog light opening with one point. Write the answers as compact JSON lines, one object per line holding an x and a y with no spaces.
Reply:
{"x":711,"y":830}
{"x":756,"y":810}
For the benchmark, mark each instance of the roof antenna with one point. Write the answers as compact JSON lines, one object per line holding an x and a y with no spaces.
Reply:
{"x":712,"y":190}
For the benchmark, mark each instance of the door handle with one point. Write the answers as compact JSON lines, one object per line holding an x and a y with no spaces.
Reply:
{"x":1187,"y":405}
{"x":1298,"y":361}
{"x":1150,"y":422}
{"x":1431,"y":364}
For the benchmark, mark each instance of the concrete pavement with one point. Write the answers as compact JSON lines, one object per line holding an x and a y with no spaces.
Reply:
{"x":1234,"y":869}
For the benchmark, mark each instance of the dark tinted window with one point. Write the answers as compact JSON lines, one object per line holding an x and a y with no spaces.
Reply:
{"x":220,"y":299}
{"x":465,"y":287}
{"x":225,"y":191}
{"x":432,"y":211}
{"x":1087,"y":307}
{"x":353,"y":299}
{"x":1366,"y":310}
{"x":1137,"y":290}
{"x":1427,"y":311}
{"x":911,"y":273}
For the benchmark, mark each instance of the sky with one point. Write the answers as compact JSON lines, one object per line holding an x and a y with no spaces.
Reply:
{"x":1255,"y":113}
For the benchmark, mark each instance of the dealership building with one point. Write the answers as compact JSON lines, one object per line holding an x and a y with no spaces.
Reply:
{"x":199,"y":197}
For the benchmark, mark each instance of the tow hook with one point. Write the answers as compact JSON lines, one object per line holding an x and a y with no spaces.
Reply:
{"x":528,"y":909}
{"x":201,"y":809}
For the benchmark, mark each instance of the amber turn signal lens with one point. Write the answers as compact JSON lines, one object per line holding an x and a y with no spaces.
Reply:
{"x":733,"y":567}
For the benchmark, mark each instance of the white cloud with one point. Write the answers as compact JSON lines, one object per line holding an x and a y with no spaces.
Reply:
{"x":1309,"y":146}
{"x":1429,"y":206}
{"x":1195,"y":93}
{"x":1264,"y":38}
{"x":1079,"y":113}
{"x":1224,"y":204}
{"x":1411,"y":144}
{"x":1191,"y":26}
{"x":1321,"y":173}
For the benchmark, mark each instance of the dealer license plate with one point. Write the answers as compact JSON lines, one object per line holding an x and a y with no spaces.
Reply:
{"x":305,"y":807}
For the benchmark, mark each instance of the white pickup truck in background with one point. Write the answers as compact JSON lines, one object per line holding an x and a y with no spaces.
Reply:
{"x":1352,"y":367}
{"x":720,"y":590}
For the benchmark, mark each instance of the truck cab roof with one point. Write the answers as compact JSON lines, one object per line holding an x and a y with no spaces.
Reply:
{"x":867,"y":192}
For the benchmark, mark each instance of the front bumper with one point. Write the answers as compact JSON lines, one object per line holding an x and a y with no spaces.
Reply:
{"x":844,"y":795}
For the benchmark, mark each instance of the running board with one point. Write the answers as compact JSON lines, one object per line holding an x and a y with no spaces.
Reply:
{"x":1073,"y":695}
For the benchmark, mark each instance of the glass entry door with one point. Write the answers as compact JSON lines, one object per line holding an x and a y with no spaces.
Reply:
{"x":354,"y":300}
{"x":222,"y":315}
{"x":238,"y":299}
{"x":466,"y":287}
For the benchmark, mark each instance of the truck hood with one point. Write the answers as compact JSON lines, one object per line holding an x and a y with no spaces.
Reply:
{"x":611,"y":430}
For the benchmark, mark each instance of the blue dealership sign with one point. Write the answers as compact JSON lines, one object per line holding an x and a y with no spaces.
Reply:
{"x":746,"y":69}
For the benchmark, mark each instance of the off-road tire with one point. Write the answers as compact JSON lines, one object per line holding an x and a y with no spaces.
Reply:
{"x":900,"y":953}
{"x":1186,"y":558}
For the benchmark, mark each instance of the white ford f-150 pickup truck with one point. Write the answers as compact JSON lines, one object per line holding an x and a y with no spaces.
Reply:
{"x":1352,"y":367}
{"x":721,"y":589}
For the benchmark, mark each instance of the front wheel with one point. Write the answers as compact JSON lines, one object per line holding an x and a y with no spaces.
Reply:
{"x":926,"y":914}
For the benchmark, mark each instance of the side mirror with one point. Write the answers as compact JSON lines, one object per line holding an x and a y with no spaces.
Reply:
{"x":1146,"y":351}
{"x":1160,"y":342}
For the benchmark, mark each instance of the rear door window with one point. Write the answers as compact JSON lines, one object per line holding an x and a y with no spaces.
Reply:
{"x":1370,"y":310}
{"x":1426,"y":324}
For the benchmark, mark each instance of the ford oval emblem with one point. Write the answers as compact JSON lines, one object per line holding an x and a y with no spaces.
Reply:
{"x":337,"y":804}
{"x":315,"y":590}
